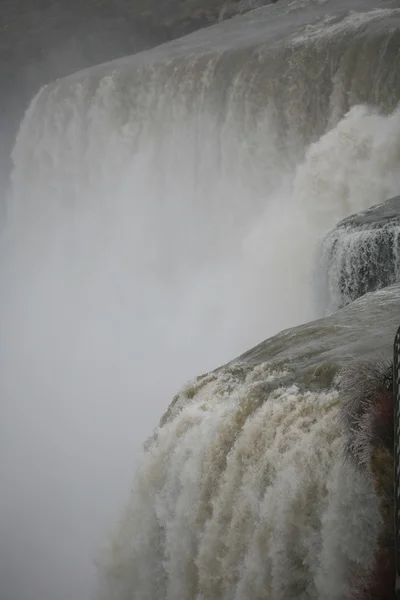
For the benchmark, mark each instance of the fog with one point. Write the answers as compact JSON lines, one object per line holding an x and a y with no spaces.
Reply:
{"x":81,"y":387}
{"x":153,"y":251}
{"x":72,"y":417}
{"x":87,"y":366}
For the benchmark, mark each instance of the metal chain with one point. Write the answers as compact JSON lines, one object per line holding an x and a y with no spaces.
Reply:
{"x":396,"y":394}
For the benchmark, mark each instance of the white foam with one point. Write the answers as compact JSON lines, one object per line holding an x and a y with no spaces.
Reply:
{"x":244,"y":494}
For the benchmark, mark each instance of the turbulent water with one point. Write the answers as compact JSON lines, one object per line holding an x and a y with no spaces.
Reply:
{"x":165,"y":214}
{"x":244,"y":495}
{"x":360,"y":255}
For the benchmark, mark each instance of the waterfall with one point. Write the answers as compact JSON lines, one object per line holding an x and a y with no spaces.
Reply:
{"x":165,"y":214}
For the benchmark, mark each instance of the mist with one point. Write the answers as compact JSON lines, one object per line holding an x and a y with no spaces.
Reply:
{"x":117,"y":291}
{"x":99,"y":330}
{"x":73,"y":418}
{"x":146,"y":240}
{"x":86,"y":371}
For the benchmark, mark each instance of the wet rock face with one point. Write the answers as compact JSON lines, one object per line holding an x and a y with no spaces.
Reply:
{"x":362,"y":254}
{"x":366,"y":417}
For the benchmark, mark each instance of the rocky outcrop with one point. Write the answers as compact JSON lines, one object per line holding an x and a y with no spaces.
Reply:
{"x":362,"y":254}
{"x":366,"y":416}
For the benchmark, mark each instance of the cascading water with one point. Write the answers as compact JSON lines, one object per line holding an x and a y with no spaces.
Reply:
{"x":164,"y":215}
{"x":360,"y":255}
{"x":229,"y":515}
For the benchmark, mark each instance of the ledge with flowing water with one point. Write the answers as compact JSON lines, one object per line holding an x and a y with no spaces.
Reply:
{"x":362,"y":254}
{"x":74,"y":35}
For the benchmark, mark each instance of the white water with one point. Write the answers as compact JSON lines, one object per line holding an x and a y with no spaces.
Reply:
{"x":148,"y":240}
{"x":352,"y":258}
{"x":244,"y":494}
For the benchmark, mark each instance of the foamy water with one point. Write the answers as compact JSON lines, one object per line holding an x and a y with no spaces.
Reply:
{"x":163,"y":218}
{"x":243,"y":494}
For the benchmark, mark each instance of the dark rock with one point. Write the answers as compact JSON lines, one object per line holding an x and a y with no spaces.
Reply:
{"x":366,"y":416}
{"x":362,"y":254}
